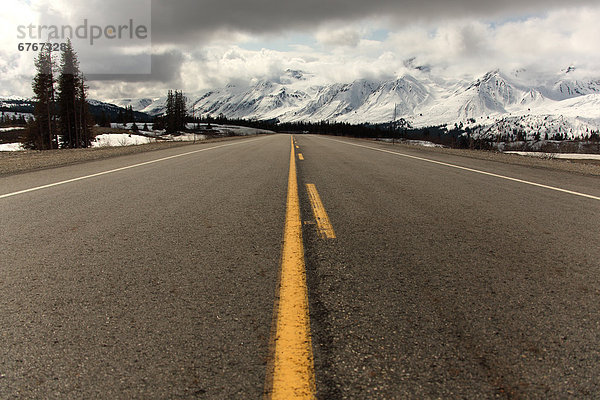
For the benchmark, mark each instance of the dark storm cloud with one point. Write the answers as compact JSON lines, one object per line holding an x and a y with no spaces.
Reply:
{"x":166,"y":67}
{"x":186,"y":21}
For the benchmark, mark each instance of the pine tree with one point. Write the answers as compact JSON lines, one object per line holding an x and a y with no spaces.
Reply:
{"x":74,"y":117}
{"x":180,"y":110}
{"x":170,"y":116}
{"x":178,"y":122}
{"x":42,"y":131}
{"x":159,"y":124}
{"x":68,"y":84}
{"x":129,"y":115}
{"x":85,"y":117}
{"x":176,"y":113}
{"x":104,"y":120}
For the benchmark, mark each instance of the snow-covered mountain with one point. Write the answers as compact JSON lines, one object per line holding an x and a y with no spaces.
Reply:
{"x":151,"y":106}
{"x":518,"y":103}
{"x":496,"y":102}
{"x":420,"y":98}
{"x":136,"y":104}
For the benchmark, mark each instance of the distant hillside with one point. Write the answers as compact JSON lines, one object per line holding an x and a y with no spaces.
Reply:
{"x":26,"y":106}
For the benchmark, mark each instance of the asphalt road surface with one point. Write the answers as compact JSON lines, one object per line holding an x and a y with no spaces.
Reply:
{"x":156,"y":275}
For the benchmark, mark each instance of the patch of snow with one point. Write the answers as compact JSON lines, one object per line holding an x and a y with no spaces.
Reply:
{"x":14,"y":98}
{"x":241,"y":130}
{"x":422,"y":143}
{"x":120,"y":139}
{"x":12,"y":147}
{"x":14,"y":128}
{"x":566,"y":156}
{"x":187,"y":137}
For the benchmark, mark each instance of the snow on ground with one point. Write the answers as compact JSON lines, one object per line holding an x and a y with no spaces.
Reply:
{"x":566,"y":156}
{"x":188,"y":137}
{"x":128,"y":125}
{"x":120,"y":139}
{"x":422,"y":143}
{"x":241,"y":130}
{"x":12,"y":147}
{"x":12,"y":128}
{"x":125,"y":139}
{"x":12,"y":114}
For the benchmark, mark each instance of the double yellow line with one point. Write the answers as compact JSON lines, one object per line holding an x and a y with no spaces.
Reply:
{"x":291,"y":373}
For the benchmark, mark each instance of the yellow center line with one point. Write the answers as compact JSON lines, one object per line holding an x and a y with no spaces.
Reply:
{"x":300,"y":157}
{"x":292,"y":373}
{"x":324,"y":226}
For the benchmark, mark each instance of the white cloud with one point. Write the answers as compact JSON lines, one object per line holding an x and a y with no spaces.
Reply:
{"x":556,"y":41}
{"x":339,"y":51}
{"x":455,"y":48}
{"x":15,"y":65}
{"x":547,"y":43}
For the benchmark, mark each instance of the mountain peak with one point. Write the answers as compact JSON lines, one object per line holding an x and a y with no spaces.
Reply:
{"x":492,"y":74}
{"x":294,"y":73}
{"x":412,"y":64}
{"x":291,"y":76}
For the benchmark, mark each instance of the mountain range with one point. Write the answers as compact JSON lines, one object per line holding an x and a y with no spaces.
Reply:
{"x":496,"y":103}
{"x":419,"y":98}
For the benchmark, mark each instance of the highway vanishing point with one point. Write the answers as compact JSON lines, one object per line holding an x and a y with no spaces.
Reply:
{"x":299,"y":266}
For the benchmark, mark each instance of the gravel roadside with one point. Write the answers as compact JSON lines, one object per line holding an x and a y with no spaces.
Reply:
{"x":584,"y":167}
{"x":13,"y":162}
{"x":24,"y":161}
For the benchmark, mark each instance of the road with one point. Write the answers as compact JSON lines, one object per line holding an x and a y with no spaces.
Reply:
{"x":161,"y":275}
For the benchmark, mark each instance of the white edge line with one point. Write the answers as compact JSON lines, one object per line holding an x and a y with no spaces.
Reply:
{"x":589,"y":196}
{"x":118,"y":169}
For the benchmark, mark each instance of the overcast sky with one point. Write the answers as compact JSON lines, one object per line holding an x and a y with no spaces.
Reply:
{"x":201,"y":44}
